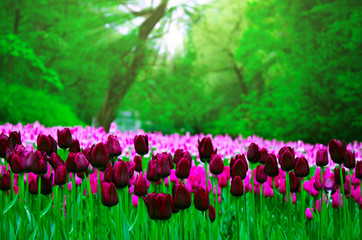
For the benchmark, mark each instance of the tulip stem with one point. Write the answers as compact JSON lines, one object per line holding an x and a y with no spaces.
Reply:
{"x":74,"y":201}
{"x":207,"y":192}
{"x":287,"y":202}
{"x":39,"y":202}
{"x":56,"y":211}
{"x":261,"y":212}
{"x":81,"y":210}
{"x":342,"y":201}
{"x":100,"y":232}
{"x":182,"y":223}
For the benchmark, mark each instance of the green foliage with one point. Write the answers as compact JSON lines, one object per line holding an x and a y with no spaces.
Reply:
{"x":22,"y":104}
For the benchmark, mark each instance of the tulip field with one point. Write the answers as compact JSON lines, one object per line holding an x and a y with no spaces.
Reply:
{"x":84,"y":183}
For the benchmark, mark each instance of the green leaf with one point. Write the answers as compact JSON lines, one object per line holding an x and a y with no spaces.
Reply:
{"x":47,"y":208}
{"x":11,"y":204}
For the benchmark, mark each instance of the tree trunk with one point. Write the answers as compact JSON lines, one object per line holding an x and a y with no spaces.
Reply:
{"x":11,"y":58}
{"x":120,"y":83}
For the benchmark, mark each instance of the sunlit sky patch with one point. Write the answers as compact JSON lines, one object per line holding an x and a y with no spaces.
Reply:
{"x":175,"y":29}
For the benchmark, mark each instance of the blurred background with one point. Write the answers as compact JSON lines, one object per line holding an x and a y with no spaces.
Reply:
{"x":284,"y":69}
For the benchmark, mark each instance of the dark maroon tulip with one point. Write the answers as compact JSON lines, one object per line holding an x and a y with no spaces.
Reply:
{"x":337,"y":175}
{"x":120,"y":174}
{"x":337,"y":150}
{"x":46,"y":184}
{"x":108,"y":173}
{"x":99,"y":156}
{"x":294,"y":183}
{"x":206,"y":149}
{"x":55,"y":160}
{"x":216,"y":164}
{"x":88,"y":152}
{"x":346,"y":188}
{"x":287,"y":160}
{"x":75,"y":147}
{"x":222,"y":180}
{"x":253,"y":153}
{"x":54,"y":145}
{"x":351,"y":160}
{"x":163,"y":161}
{"x":13,"y":140}
{"x":179,"y":154}
{"x":113,"y":146}
{"x":318,"y":184}
{"x":174,"y":209}
{"x":141,"y":144}
{"x":283,"y":149}
{"x":301,"y":167}
{"x":240,"y":157}
{"x":183,"y":168}
{"x":239,"y":168}
{"x":39,"y":166}
{"x":60,"y":176}
{"x":76,"y":162}
{"x":237,"y":187}
{"x":5,"y":179}
{"x":140,"y":186}
{"x":358,"y":171}
{"x":138,"y":161}
{"x":322,"y":157}
{"x":271,"y":166}
{"x":151,"y":174}
{"x":263,"y":155}
{"x":16,"y":163}
{"x":64,"y":138}
{"x":81,"y":175}
{"x":131,"y":167}
{"x":159,"y":205}
{"x":33,"y":185}
{"x":201,"y":199}
{"x":3,"y":145}
{"x":212,"y":213}
{"x":109,"y":194}
{"x":261,"y":177}
{"x":181,"y":196}
{"x":44,"y":144}
{"x":28,"y":161}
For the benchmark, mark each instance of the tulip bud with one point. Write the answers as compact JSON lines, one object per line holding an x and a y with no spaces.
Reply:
{"x":179,"y":154}
{"x":140,"y":186}
{"x":55,"y":160}
{"x":287,"y":160}
{"x":271,"y":166}
{"x":183,"y":168}
{"x":263,"y":155}
{"x":163,"y":161}
{"x":60,"y":176}
{"x":16,"y":163}
{"x":294,"y":182}
{"x":138,"y":161}
{"x":201,"y":199}
{"x":308,"y":214}
{"x":99,"y":156}
{"x":75,"y":147}
{"x":222,"y":180}
{"x":44,"y":144}
{"x":216,"y":164}
{"x":159,"y":205}
{"x":33,"y":185}
{"x":131,"y":166}
{"x":337,"y":175}
{"x":3,"y":145}
{"x":13,"y":140}
{"x":358,"y":171}
{"x":5,"y":179}
{"x":151,"y":174}
{"x":64,"y":138}
{"x":239,"y":168}
{"x":108,"y":173}
{"x":337,"y":150}
{"x":261,"y":177}
{"x":109,"y":194}
{"x":318,"y":184}
{"x":206,"y":149}
{"x":46,"y":184}
{"x":39,"y":166}
{"x":351,"y":160}
{"x":76,"y":162}
{"x":253,"y":153}
{"x":237,"y":188}
{"x":181,"y":196}
{"x":212,"y":213}
{"x":301,"y":167}
{"x":113,"y":146}
{"x":141,"y":144}
{"x":120,"y":174}
{"x":322,"y":158}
